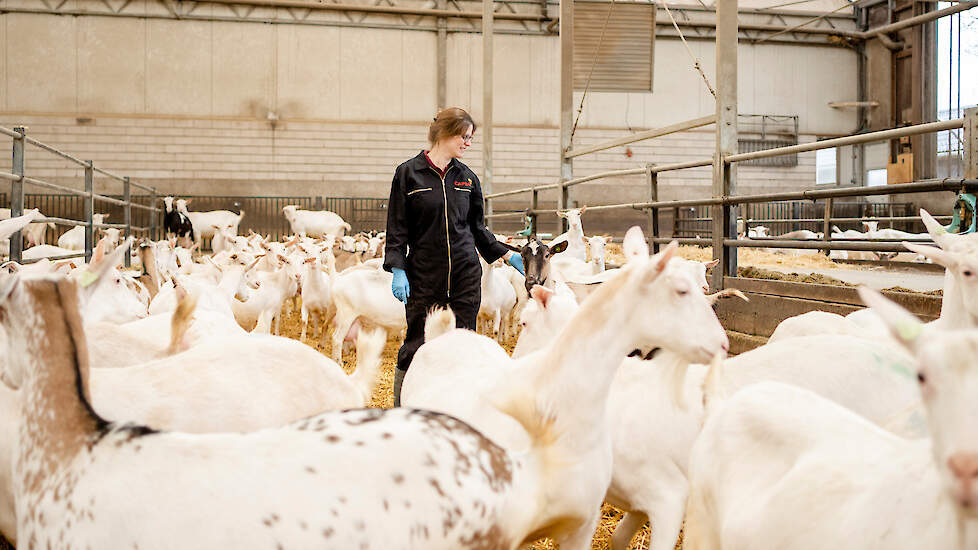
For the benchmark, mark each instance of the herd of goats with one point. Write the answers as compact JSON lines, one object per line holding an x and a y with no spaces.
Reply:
{"x":157,"y":407}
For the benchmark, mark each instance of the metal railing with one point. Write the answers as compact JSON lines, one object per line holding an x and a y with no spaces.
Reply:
{"x":727,"y":205}
{"x":18,"y":179}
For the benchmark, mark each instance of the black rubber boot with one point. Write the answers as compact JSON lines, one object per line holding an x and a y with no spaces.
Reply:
{"x":398,"y":380}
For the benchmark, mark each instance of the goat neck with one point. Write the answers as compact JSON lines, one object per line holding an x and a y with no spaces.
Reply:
{"x":573,"y":374}
{"x":954,"y":314}
{"x":49,"y":354}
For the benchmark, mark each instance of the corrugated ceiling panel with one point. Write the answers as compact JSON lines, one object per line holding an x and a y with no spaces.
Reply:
{"x":624,"y":62}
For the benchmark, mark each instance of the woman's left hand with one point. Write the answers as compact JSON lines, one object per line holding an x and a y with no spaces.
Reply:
{"x":516,"y":260}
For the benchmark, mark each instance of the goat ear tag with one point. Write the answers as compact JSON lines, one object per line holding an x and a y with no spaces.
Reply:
{"x":908,"y":331}
{"x":87,"y":278}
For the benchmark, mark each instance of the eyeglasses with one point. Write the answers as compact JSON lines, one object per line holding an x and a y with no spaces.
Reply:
{"x":467,"y":139}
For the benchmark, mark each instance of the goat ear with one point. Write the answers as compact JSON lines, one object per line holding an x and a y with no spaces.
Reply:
{"x":935,"y":254}
{"x":542,"y":295}
{"x":99,"y":252}
{"x":558,"y":248}
{"x":711,"y":264}
{"x":936,"y":230}
{"x":7,"y":284}
{"x":904,"y":327}
{"x":658,"y":263}
{"x":583,"y":208}
{"x":511,"y":247}
{"x":561,"y":214}
{"x":634,"y":244}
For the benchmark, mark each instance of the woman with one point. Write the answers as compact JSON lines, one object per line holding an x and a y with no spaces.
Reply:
{"x":435,"y":225}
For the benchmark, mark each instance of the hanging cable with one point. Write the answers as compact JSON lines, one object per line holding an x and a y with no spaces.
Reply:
{"x":594,"y":62}
{"x":696,"y":62}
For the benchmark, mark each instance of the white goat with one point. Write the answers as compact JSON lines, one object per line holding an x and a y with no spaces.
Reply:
{"x":959,"y":303}
{"x":574,"y":236}
{"x":205,"y":222}
{"x":653,"y":435}
{"x":566,"y":384}
{"x":35,"y":233}
{"x":775,"y":457}
{"x":597,"y":246}
{"x":543,"y":317}
{"x":315,"y":223}
{"x":498,"y":301}
{"x":313,"y":472}
{"x":364,"y":295}
{"x":317,"y":292}
{"x":74,"y":238}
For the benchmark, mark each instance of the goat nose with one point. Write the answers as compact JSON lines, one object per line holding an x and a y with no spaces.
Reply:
{"x":964,"y":466}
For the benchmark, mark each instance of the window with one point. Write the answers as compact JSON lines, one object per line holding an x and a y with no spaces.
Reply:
{"x":826,"y":167}
{"x":876,"y":178}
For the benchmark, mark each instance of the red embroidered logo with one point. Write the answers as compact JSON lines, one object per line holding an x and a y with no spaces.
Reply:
{"x":467,"y":183}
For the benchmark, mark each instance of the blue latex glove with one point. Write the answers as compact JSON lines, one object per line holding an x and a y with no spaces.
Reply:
{"x":400,"y":286}
{"x":516,"y":260}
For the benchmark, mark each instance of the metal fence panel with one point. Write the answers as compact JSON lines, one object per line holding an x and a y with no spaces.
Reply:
{"x":695,"y":221}
{"x":263,"y":215}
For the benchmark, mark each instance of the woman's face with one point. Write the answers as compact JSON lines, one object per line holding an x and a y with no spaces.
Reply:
{"x":458,"y":144}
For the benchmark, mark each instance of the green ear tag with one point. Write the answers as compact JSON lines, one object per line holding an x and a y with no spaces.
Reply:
{"x":909,"y":331}
{"x":87,"y":278}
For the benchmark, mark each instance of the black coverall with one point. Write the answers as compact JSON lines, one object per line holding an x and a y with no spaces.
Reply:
{"x":435,"y":225}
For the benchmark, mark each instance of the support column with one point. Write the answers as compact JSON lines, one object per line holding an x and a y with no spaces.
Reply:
{"x":442,"y":57}
{"x":653,"y":179}
{"x":566,"y":101}
{"x":487,"y":72}
{"x":127,"y":216}
{"x":725,"y":175}
{"x":971,"y":143}
{"x":89,"y":209}
{"x":17,"y":193}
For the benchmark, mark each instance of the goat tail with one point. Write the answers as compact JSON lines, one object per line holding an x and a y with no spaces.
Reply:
{"x":347,"y":228}
{"x":713,"y":393}
{"x":370,"y":349}
{"x":183,"y":316}
{"x":438,"y":322}
{"x":240,"y":215}
{"x":540,"y":425}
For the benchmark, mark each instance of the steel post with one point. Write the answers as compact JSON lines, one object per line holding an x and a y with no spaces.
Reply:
{"x":566,"y":102}
{"x":827,"y":223}
{"x":17,"y":193}
{"x":971,"y":143}
{"x":487,"y":73}
{"x":653,"y":179}
{"x":153,"y":216}
{"x":724,"y":173}
{"x":441,"y":56}
{"x":89,"y":209}
{"x":127,"y":216}
{"x":534,"y":205}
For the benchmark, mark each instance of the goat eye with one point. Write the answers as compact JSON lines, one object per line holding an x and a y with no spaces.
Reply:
{"x":682,"y":292}
{"x":967,"y":273}
{"x":921,"y":378}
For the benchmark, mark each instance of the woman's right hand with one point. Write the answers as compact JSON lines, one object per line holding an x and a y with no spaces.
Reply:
{"x":400,"y":286}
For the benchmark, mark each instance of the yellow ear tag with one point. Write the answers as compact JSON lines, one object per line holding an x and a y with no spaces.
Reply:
{"x":940,"y":231}
{"x":909,"y":331}
{"x":87,"y":278}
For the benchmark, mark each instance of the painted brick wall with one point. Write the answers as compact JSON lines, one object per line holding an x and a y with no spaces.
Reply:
{"x":237,"y":156}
